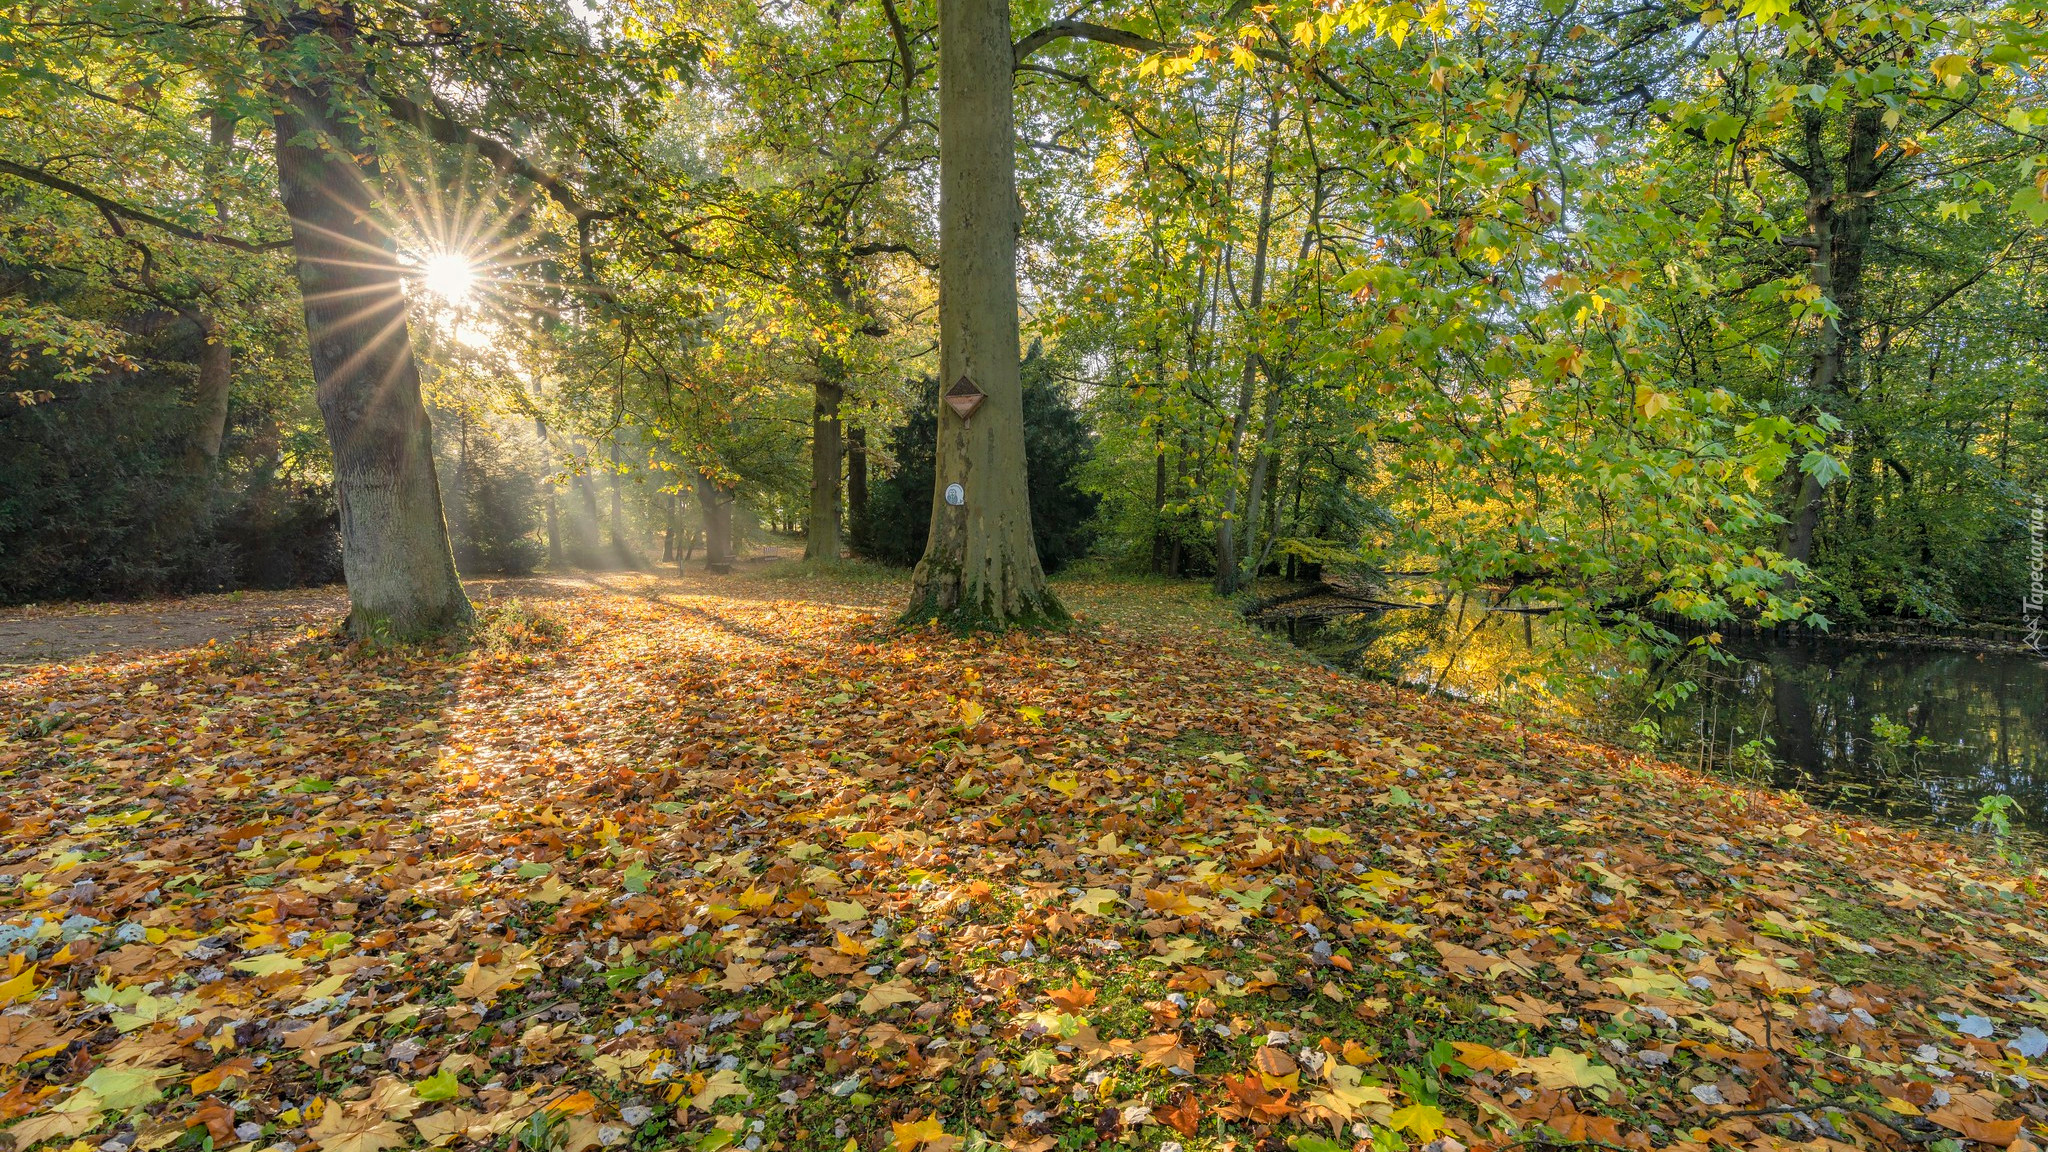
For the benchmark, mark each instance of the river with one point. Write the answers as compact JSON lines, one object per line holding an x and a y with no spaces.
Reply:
{"x":1911,"y":734}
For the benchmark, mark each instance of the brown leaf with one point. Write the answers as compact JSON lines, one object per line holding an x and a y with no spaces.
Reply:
{"x":1073,"y":997}
{"x":1165,"y":1051}
{"x":219,"y":1122}
{"x":1182,"y":1114}
{"x":1251,"y":1100}
{"x":1275,"y":1062}
{"x":1999,"y":1132}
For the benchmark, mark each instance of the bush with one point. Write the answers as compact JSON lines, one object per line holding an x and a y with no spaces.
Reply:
{"x":97,"y":502}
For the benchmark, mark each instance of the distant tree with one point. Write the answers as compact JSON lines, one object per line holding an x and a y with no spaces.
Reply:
{"x":491,"y":478}
{"x":1057,"y":442}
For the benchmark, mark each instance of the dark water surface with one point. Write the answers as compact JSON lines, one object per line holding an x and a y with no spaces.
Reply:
{"x":1918,"y":735}
{"x":1908,"y":733}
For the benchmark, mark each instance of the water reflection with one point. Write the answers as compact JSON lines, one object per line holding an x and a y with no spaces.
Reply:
{"x":1920,"y":735}
{"x":1906,"y":733}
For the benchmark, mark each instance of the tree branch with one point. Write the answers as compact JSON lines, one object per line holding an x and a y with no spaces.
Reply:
{"x":442,"y":128}
{"x":1083,"y":30}
{"x":116,"y":208}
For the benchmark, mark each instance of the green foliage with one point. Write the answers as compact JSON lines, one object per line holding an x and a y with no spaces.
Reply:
{"x":1523,"y":303}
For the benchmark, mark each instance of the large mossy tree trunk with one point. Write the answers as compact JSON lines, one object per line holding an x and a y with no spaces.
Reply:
{"x":394,"y":540}
{"x":980,"y":566}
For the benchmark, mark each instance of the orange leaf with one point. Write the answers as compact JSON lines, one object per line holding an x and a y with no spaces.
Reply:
{"x":1183,"y":1115}
{"x":240,"y":1068}
{"x":1165,"y":1051}
{"x":1073,"y":997}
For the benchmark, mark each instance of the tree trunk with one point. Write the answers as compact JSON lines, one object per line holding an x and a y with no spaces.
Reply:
{"x":458,"y":503}
{"x":668,"y":532}
{"x":589,"y":536}
{"x":822,"y":526}
{"x":1262,"y":472}
{"x":394,"y":542}
{"x":554,"y":532}
{"x":1838,"y":227}
{"x":856,"y":475}
{"x":1159,"y":537}
{"x":216,"y":366}
{"x":621,"y":551}
{"x":980,"y":564}
{"x":209,"y":396}
{"x":1176,"y":556}
{"x":1226,"y":524}
{"x":716,"y":505}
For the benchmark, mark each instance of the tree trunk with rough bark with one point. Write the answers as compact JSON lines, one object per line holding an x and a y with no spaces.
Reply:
{"x":554,"y":533}
{"x":980,"y":566}
{"x":668,"y":531}
{"x":395,"y":552}
{"x":216,"y":367}
{"x":822,"y":528}
{"x":1838,"y":230}
{"x":1262,"y":472}
{"x":1160,"y":541}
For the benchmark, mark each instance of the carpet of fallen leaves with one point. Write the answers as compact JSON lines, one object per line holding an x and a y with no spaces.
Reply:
{"x":681,"y":864}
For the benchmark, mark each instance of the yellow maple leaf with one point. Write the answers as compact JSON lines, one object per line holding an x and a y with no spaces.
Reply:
{"x":551,"y":891}
{"x":884,"y":995}
{"x":1564,"y":1068}
{"x":717,"y":1086}
{"x":1350,"y":1097}
{"x":1481,"y":1058}
{"x":845,"y":910}
{"x":358,"y":1128}
{"x":1421,"y":1121}
{"x":483,"y":982}
{"x":927,"y":1134}
{"x":1095,"y":900}
{"x":269,"y":964}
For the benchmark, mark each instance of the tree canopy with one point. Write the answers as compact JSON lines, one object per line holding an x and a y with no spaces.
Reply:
{"x":1634,"y":312}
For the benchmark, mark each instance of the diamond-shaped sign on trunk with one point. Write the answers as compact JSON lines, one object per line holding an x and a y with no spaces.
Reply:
{"x":963,"y":397}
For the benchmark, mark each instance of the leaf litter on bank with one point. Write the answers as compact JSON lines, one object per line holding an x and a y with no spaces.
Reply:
{"x":682,"y":864}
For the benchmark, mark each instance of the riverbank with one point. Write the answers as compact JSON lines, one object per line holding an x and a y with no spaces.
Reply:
{"x":1277,"y":601}
{"x":732,"y":863}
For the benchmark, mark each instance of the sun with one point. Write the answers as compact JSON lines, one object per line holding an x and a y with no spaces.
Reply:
{"x":449,"y":275}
